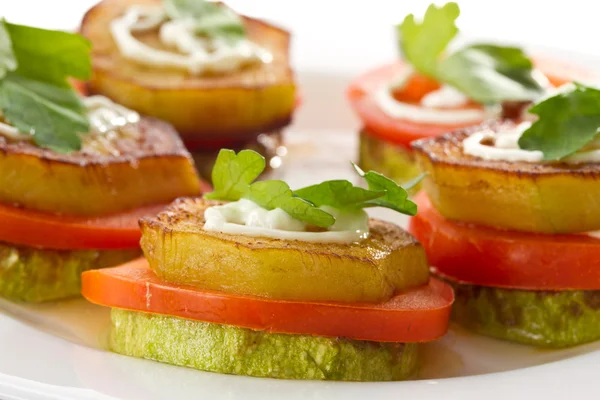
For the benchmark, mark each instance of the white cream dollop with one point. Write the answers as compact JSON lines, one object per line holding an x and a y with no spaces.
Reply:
{"x":444,"y":97}
{"x":244,"y":217}
{"x":195,"y":54}
{"x":105,"y":115}
{"x":438,"y":107}
{"x":503,"y":145}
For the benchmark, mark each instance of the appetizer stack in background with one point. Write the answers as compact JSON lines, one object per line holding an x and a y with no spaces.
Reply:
{"x":258,"y":280}
{"x":434,"y":90}
{"x":76,"y":174}
{"x":510,"y":218}
{"x":222,"y":80}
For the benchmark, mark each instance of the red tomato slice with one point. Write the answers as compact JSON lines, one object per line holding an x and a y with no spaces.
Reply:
{"x":418,"y":315}
{"x":377,"y":122}
{"x":37,"y":229}
{"x":517,"y":260}
{"x":63,"y":232}
{"x":402,"y":132}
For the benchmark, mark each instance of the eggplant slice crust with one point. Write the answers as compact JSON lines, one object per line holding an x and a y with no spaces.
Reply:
{"x":148,"y":167}
{"x":259,"y":98}
{"x":532,"y":197}
{"x":179,"y":250}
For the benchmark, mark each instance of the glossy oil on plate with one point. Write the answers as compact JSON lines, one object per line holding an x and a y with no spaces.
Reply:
{"x":56,"y":351}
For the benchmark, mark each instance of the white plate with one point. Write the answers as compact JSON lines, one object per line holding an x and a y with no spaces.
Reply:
{"x":55,"y":351}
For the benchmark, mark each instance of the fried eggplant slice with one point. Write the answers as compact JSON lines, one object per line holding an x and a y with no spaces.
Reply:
{"x":179,"y":250}
{"x":243,"y":104}
{"x":148,"y":166}
{"x":232,"y":350}
{"x":38,"y":275}
{"x":539,"y":318}
{"x":531,"y":197}
{"x":392,"y":160}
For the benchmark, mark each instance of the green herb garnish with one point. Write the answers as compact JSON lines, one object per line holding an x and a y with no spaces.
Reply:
{"x":395,"y":196}
{"x":340,"y":194}
{"x":210,"y":19}
{"x":277,"y":194}
{"x":233,"y":174}
{"x":486,"y":73}
{"x":567,"y":122}
{"x":35,"y":96}
{"x":233,"y":179}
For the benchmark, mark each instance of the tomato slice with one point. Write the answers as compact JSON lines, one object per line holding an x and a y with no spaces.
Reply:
{"x":418,"y":315}
{"x":517,"y":260}
{"x":560,"y":72}
{"x":381,"y":125}
{"x":37,"y":229}
{"x":64,"y":232}
{"x":402,"y":132}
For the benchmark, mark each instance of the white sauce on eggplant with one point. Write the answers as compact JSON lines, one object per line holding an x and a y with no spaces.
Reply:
{"x":504,"y":146}
{"x":193,"y":53}
{"x":104,"y":115}
{"x":244,"y":217}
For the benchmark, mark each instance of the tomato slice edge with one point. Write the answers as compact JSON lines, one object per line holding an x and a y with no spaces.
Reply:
{"x":59,"y":232}
{"x":403,"y":132}
{"x":134,"y":286}
{"x":498,"y":258}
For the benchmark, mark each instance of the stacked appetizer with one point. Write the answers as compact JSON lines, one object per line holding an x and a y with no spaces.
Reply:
{"x":75,"y":173}
{"x":432,"y":91}
{"x":257,"y":279}
{"x":510,"y":218}
{"x":221,"y":79}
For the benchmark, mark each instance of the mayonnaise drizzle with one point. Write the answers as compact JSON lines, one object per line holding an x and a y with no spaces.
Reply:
{"x":197,"y":55}
{"x":10,"y":132}
{"x":244,"y":217}
{"x":504,"y":146}
{"x":103,"y":114}
{"x":444,"y":97}
{"x":437,"y":107}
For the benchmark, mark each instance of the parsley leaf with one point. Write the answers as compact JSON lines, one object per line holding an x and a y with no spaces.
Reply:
{"x":491,"y":74}
{"x":414,"y":182}
{"x":52,"y":115}
{"x":8,"y":62}
{"x":277,"y":194}
{"x":395,"y":198}
{"x":210,"y":19}
{"x":422,"y":43}
{"x":567,"y":122}
{"x":35,"y":96}
{"x":485,"y":73}
{"x":50,"y":56}
{"x":337,"y":194}
{"x":232,"y":174}
{"x":233,"y":178}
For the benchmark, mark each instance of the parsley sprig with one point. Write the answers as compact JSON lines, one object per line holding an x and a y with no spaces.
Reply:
{"x":210,"y":19}
{"x":486,"y":73}
{"x":234,"y":178}
{"x":35,"y":96}
{"x":567,"y":122}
